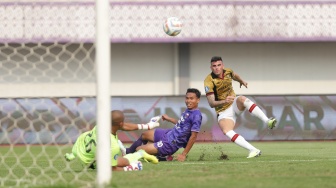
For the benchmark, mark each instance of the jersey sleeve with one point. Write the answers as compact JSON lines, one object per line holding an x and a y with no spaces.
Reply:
{"x":230,"y":71}
{"x":208,"y":85}
{"x":197,"y":122}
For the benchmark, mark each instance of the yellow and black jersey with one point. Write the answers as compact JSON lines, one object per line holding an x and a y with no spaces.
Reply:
{"x":221,"y":87}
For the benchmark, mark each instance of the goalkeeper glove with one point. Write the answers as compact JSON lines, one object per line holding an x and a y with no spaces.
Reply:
{"x":69,"y":156}
{"x":154,"y":122}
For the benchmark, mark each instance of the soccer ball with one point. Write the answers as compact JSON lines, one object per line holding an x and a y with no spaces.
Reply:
{"x":172,"y":26}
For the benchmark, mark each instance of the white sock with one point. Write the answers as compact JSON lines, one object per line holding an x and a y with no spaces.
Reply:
{"x":255,"y":110}
{"x":239,"y":140}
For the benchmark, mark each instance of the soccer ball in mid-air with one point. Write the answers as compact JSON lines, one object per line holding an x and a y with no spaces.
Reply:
{"x":172,"y":26}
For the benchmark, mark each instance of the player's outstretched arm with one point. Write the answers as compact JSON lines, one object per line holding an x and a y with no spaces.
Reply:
{"x":129,"y":127}
{"x":237,"y":78}
{"x":191,"y":141}
{"x":165,"y":117}
{"x":153,"y":123}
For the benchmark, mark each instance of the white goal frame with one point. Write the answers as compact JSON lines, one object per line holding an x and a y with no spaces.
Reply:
{"x":103,"y":74}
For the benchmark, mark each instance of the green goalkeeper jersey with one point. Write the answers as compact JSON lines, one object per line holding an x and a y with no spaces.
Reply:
{"x":85,"y":147}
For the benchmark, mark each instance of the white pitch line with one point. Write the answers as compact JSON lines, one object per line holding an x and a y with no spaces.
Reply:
{"x":242,"y":162}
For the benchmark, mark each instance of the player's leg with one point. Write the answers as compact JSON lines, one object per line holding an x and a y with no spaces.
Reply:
{"x":226,"y":121}
{"x":117,"y":168}
{"x":124,"y":164}
{"x":226,"y":125}
{"x":162,"y":144}
{"x":149,"y":148}
{"x":164,"y":148}
{"x":135,"y":166}
{"x":130,"y":162}
{"x":146,"y":152}
{"x":161,"y":147}
{"x":143,"y":139}
{"x":165,"y":158}
{"x":245,"y":103}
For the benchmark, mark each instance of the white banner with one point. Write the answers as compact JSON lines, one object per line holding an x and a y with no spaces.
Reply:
{"x":61,"y":120}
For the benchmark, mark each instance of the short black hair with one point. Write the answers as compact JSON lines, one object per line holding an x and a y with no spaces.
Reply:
{"x":216,"y":58}
{"x":194,"y":90}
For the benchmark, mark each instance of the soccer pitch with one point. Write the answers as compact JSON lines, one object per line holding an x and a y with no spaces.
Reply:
{"x":282,"y":164}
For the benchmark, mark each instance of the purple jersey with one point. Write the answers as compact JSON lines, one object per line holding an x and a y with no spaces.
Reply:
{"x":190,"y":121}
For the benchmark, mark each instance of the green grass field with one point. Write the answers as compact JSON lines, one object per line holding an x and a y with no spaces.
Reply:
{"x":282,"y":164}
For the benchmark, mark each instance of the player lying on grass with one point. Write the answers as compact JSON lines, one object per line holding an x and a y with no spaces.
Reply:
{"x":165,"y":142}
{"x":85,"y":145}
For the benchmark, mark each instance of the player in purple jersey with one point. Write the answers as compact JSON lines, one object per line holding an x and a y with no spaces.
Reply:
{"x":165,"y":142}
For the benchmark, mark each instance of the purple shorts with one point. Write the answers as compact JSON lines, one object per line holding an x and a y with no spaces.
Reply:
{"x":162,"y":144}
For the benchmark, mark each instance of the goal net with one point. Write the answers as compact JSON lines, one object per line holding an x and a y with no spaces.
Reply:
{"x":47,"y":87}
{"x":34,"y":129}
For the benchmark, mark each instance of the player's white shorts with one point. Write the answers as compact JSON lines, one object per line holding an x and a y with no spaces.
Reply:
{"x":231,"y":113}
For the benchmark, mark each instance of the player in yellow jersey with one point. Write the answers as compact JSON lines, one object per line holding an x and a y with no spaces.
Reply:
{"x":85,"y":145}
{"x":221,"y":96}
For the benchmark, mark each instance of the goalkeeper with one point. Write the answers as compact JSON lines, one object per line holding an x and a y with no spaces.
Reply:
{"x":85,"y":145}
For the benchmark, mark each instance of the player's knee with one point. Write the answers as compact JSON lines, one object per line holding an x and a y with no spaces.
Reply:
{"x":139,"y":148}
{"x":147,"y":135}
{"x":144,"y":136}
{"x":240,"y":102}
{"x":241,"y":99}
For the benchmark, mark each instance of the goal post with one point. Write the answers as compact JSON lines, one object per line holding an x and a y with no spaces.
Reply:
{"x":103,"y":74}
